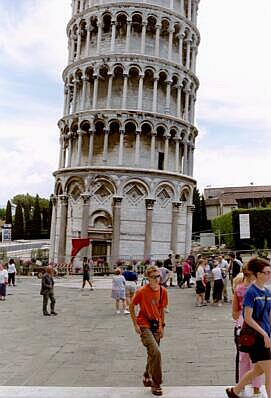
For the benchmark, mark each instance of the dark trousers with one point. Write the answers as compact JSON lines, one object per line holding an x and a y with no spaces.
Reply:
{"x":179,"y":273}
{"x":11,"y":278}
{"x":218,"y":289}
{"x":46,"y":297}
{"x":186,"y":278}
{"x":207,"y":291}
{"x":154,"y":365}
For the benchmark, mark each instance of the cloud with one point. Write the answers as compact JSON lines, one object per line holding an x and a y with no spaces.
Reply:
{"x":35,"y":38}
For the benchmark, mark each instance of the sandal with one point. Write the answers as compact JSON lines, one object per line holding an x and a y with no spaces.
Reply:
{"x":231,"y":393}
{"x":147,"y":382}
{"x":157,"y":391}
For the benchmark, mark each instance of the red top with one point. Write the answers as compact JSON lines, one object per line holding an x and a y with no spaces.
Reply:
{"x":186,"y":268}
{"x":151,"y":304}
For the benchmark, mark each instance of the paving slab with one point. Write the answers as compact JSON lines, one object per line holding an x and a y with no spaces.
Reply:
{"x":88,"y":345}
{"x":112,"y":392}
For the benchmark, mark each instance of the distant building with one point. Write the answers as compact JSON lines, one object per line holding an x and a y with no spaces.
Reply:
{"x":220,"y":201}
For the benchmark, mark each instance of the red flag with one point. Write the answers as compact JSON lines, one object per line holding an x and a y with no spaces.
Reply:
{"x":77,"y":245}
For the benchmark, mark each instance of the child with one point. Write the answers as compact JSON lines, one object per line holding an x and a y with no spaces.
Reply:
{"x":118,"y":291}
{"x":3,"y":282}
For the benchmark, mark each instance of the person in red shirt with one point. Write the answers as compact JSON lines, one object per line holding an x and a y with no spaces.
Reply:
{"x":149,"y":324}
{"x":186,"y":273}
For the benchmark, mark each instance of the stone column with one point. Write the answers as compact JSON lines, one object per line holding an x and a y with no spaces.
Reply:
{"x":189,"y":10}
{"x":194,"y":56}
{"x":81,"y":6}
{"x":70,"y":150}
{"x":85,"y":219}
{"x":63,"y":228}
{"x":185,"y":166}
{"x":121,"y":147}
{"x":170,"y":43}
{"x":179,"y":101}
{"x":186,"y":107}
{"x":73,"y":37}
{"x":167,"y":136}
{"x":75,"y":83}
{"x":192,"y":161}
{"x":154,"y":100}
{"x":65,"y":100}
{"x":105,"y":149}
{"x":88,"y":27}
{"x":116,"y":210}
{"x":68,"y":110}
{"x":143,"y":37}
{"x":61,"y":144}
{"x":95,"y":91}
{"x":113,"y":35}
{"x":79,"y":148}
{"x":124,"y":91}
{"x":157,"y":40}
{"x":148,"y":227}
{"x":181,"y":37}
{"x":79,"y":38}
{"x":153,"y":137}
{"x":137,"y":147}
{"x":177,"y":154}
{"x":109,"y":91}
{"x":53,"y":229}
{"x":168,"y":95}
{"x":182,"y":7}
{"x":188,"y":48}
{"x":128,"y":35}
{"x":84,"y":91}
{"x":140,"y":91}
{"x":64,"y":147}
{"x":99,"y":36}
{"x":171,"y":4}
{"x":174,"y":226}
{"x":90,"y":147}
{"x":188,"y":234}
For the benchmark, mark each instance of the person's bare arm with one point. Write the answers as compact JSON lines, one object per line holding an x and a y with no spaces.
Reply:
{"x":235,"y":307}
{"x":133,"y":316}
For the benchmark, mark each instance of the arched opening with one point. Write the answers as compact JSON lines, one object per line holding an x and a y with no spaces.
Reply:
{"x":106,"y":32}
{"x":117,"y":87}
{"x":89,"y":89}
{"x":129,"y":143}
{"x":174,"y":95}
{"x":113,"y":143}
{"x":103,"y":87}
{"x":121,"y":29}
{"x":164,"y":39}
{"x":133,"y":82}
{"x":135,"y":42}
{"x":85,"y":126}
{"x":150,"y":35}
{"x":83,"y":34}
{"x":148,"y":89}
{"x":160,"y":145}
{"x":162,"y":92}
{"x":145,"y":144}
{"x":98,"y":143}
{"x":93,"y":28}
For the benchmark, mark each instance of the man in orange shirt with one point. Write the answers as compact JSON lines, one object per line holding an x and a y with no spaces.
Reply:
{"x":149,"y":324}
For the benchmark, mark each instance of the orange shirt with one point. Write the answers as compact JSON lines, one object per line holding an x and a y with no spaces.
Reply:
{"x":151,"y":304}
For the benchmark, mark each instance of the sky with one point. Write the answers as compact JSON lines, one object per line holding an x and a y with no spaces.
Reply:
{"x":233,"y":109}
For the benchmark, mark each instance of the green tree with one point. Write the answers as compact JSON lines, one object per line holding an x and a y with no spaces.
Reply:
{"x":27,"y":222}
{"x":18,"y":228}
{"x":36,"y":220}
{"x":196,"y":223}
{"x":8,"y":213}
{"x":205,"y":224}
{"x":2,"y":214}
{"x":30,"y":201}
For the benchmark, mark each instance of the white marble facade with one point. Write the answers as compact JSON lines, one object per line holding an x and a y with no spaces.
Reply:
{"x":127,"y":135}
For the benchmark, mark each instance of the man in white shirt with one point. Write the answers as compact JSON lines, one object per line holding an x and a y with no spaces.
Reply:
{"x":224,"y":266}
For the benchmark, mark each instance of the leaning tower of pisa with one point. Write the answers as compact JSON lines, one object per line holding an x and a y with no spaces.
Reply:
{"x":127,"y":134}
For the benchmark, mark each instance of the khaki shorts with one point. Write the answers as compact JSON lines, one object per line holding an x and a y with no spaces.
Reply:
{"x":130,"y":290}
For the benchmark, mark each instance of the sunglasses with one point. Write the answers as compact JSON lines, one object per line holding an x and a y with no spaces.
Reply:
{"x":155,"y":276}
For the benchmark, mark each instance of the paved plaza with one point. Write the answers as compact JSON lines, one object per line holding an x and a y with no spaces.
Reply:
{"x":88,"y":346}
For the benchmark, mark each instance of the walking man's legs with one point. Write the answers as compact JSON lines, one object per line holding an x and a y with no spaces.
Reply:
{"x":154,"y":365}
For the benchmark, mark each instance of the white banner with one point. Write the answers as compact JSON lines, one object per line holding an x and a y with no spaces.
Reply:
{"x":244,"y":226}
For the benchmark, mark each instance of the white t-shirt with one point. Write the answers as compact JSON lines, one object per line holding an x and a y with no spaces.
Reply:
{"x":118,"y":282}
{"x":217,"y":273}
{"x":199,"y":273}
{"x":3,"y":276}
{"x":11,"y":268}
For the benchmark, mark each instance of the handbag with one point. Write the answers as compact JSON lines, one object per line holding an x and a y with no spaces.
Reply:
{"x":248,"y":335}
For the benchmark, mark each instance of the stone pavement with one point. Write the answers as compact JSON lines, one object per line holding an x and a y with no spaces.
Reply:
{"x":88,"y":345}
